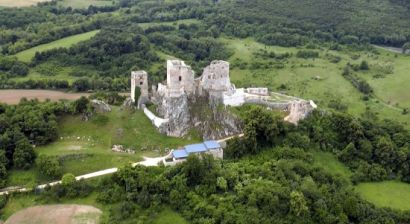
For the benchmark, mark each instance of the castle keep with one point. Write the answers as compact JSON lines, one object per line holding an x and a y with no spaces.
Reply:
{"x":186,"y":102}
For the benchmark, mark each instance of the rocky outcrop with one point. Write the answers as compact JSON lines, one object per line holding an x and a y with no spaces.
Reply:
{"x":212,"y":119}
{"x":298,"y":110}
{"x":120,"y":148}
{"x":100,"y":106}
{"x":176,"y":111}
{"x":202,"y":113}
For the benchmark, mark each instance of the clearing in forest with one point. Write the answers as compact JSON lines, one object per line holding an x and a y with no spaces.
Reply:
{"x":78,"y":4}
{"x":391,"y":194}
{"x":66,"y":42}
{"x":320,"y":78}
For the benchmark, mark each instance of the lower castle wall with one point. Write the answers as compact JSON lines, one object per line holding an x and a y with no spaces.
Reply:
{"x":157,"y":121}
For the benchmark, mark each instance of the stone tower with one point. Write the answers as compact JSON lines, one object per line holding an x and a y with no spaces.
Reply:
{"x":180,"y":78}
{"x":216,"y":77}
{"x":139,"y":79}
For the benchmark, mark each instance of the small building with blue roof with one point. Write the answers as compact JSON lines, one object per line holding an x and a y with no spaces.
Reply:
{"x":207,"y":147}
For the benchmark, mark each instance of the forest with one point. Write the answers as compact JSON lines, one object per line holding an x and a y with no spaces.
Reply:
{"x":267,"y":176}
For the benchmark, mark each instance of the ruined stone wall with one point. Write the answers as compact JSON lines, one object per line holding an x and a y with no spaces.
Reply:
{"x":139,"y":79}
{"x":216,"y":77}
{"x":258,"y":91}
{"x":298,"y":110}
{"x":180,"y":78}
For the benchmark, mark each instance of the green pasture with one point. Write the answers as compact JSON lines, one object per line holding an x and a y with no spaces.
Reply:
{"x":78,"y":4}
{"x":321,"y":80}
{"x":391,"y":194}
{"x":85,"y":147}
{"x":66,"y":42}
{"x":331,"y":164}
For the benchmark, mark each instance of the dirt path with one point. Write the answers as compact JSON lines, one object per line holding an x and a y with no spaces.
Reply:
{"x":391,"y":49}
{"x":13,"y":96}
{"x":61,"y":214}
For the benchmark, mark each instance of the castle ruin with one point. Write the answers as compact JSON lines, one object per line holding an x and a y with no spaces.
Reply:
{"x":186,"y":102}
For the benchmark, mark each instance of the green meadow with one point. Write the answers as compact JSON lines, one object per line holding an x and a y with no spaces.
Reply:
{"x":331,"y":164}
{"x":392,"y":194}
{"x":78,"y":4}
{"x":66,"y":42}
{"x":85,"y":146}
{"x":320,"y":80}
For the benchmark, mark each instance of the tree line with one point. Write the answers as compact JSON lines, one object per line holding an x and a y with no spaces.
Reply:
{"x":30,"y":124}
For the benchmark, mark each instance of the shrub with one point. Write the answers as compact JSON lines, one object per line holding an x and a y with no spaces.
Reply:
{"x":364,"y":65}
{"x":49,"y":166}
{"x":307,"y":54}
{"x":68,"y":179}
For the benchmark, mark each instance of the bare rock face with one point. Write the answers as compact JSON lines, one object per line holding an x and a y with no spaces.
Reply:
{"x":298,"y":110}
{"x":100,"y":106}
{"x":176,"y":110}
{"x":202,"y":113}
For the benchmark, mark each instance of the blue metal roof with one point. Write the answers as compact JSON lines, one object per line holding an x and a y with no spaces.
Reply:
{"x":181,"y":153}
{"x":196,"y":148}
{"x":212,"y":145}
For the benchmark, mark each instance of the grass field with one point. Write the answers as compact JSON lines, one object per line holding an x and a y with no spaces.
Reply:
{"x":321,"y":80}
{"x":85,"y":3}
{"x":331,"y":164}
{"x":392,"y":194}
{"x":66,"y":42}
{"x":391,"y":88}
{"x":86,"y":146}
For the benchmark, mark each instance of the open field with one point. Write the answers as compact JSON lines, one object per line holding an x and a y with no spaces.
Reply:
{"x":13,"y":96}
{"x":392,"y":88}
{"x":66,"y":42}
{"x":321,"y":80}
{"x":64,"y":214}
{"x":329,"y":162}
{"x":85,"y":3}
{"x":20,"y":3}
{"x":85,"y":147}
{"x":392,"y":194}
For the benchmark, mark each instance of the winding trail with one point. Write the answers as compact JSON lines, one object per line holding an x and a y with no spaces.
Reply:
{"x":147,"y":162}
